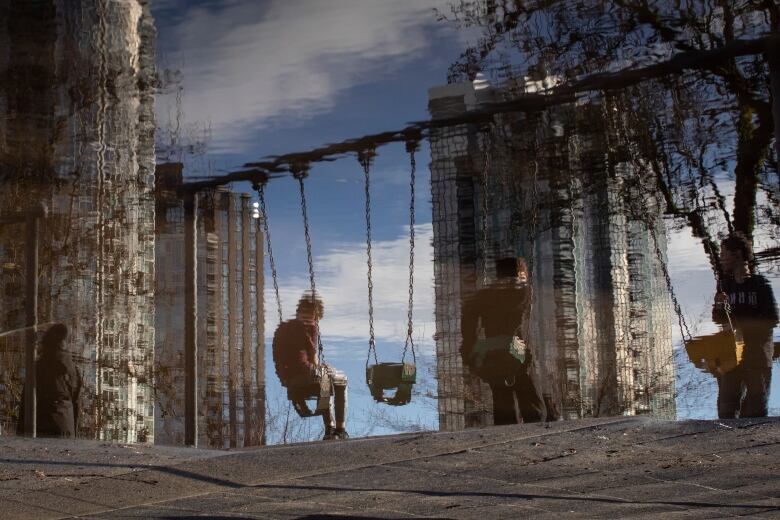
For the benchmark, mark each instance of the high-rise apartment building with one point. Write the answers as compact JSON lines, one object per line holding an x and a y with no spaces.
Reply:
{"x":561,"y":190}
{"x":77,"y":134}
{"x":230,"y":312}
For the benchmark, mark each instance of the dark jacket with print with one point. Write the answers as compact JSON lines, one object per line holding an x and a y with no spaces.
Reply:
{"x":500,"y":310}
{"x":753,"y":310}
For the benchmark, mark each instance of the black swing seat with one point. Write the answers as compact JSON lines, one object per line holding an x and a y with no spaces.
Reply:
{"x":400,"y":377}
{"x":317,"y":387}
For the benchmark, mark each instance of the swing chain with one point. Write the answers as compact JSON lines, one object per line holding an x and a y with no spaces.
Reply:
{"x":365,"y":157}
{"x":534,"y":211}
{"x":684,"y":330}
{"x":300,"y":171}
{"x":260,"y":189}
{"x":726,"y":304}
{"x":411,"y":147}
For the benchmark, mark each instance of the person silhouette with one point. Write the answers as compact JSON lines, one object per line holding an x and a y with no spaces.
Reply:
{"x":745,"y":302}
{"x":491,"y":328}
{"x":58,"y":387}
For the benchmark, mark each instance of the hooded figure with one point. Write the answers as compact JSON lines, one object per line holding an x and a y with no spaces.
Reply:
{"x":58,"y":387}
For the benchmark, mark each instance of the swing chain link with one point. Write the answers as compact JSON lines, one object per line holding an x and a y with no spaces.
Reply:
{"x":300,"y":171}
{"x":411,"y":147}
{"x":365,"y":157}
{"x":260,"y":189}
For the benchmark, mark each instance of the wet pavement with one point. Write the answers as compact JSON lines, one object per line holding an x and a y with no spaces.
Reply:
{"x":509,"y":212}
{"x":525,"y":238}
{"x":622,"y":467}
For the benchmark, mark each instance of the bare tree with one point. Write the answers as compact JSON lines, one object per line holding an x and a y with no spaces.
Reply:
{"x":693,"y":126}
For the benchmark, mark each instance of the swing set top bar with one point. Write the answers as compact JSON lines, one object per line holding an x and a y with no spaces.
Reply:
{"x":281,"y":165}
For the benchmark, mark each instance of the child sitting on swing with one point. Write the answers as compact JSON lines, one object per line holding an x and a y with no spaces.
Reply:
{"x":298,"y":365}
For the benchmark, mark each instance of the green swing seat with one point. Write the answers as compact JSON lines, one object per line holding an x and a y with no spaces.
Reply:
{"x":389,"y":376}
{"x":400,"y":377}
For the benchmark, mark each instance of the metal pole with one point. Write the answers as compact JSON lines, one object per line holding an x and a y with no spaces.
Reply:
{"x":774,"y":71}
{"x":246,"y":328}
{"x":31,"y":311}
{"x":190,"y":319}
{"x":260,"y":324}
{"x":232,"y":319}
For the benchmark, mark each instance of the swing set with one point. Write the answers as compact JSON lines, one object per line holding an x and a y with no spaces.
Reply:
{"x":322,"y":384}
{"x":381,"y":377}
{"x":529,"y":102}
{"x":387,"y":376}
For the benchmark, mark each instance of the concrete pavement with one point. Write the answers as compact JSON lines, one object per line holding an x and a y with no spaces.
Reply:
{"x":619,"y":467}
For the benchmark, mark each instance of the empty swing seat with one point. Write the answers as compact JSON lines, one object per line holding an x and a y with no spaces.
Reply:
{"x":400,"y":377}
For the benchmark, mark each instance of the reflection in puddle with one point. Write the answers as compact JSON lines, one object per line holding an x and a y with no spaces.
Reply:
{"x":576,"y":263}
{"x":740,"y":355}
{"x":595,"y":316}
{"x":78,"y":136}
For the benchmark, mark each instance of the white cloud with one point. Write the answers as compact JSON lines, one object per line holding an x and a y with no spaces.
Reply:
{"x":244,"y":65}
{"x":342,"y":284}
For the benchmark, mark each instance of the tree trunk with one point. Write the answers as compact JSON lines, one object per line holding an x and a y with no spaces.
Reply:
{"x":752,"y":144}
{"x":774,"y":71}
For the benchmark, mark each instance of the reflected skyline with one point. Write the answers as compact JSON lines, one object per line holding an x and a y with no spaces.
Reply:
{"x":542,"y":188}
{"x":230,"y":313}
{"x":616,"y":200}
{"x":78,"y":135}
